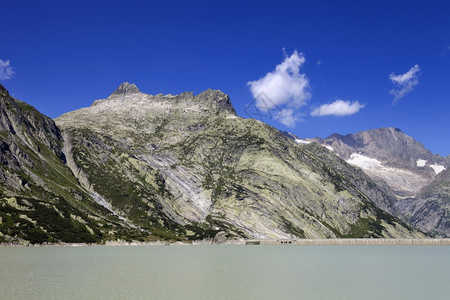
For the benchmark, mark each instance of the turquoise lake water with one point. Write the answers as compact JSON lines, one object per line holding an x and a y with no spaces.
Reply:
{"x":225,"y":272}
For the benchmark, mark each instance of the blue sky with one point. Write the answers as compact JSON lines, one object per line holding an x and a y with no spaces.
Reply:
{"x":348,"y":55}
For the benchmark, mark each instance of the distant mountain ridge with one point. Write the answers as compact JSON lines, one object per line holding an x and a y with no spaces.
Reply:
{"x":404,"y":166}
{"x":389,"y":145}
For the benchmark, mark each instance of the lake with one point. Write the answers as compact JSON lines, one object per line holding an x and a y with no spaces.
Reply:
{"x":225,"y":272}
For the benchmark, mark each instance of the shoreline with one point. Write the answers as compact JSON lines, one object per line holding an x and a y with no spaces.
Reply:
{"x":330,"y":242}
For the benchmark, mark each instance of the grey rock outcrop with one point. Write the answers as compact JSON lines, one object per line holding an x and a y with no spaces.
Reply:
{"x":126,"y":89}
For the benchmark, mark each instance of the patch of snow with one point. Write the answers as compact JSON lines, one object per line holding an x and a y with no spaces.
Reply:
{"x":303,"y":142}
{"x":421,"y":162}
{"x":364,"y":162}
{"x":329,"y":147}
{"x":437,"y":168}
{"x":406,"y":182}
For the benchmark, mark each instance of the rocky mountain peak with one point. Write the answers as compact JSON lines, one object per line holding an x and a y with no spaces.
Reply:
{"x":126,"y":89}
{"x":217,"y":98}
{"x":389,"y":155}
{"x":395,"y":129}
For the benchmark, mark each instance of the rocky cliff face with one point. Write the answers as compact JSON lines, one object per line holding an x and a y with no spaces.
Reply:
{"x":430,"y":209}
{"x":403,"y":166}
{"x":186,"y":167}
{"x":40,"y":199}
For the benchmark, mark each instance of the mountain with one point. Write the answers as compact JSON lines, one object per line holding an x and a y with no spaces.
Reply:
{"x":416,"y":177}
{"x":430,"y":209}
{"x":189,"y":164}
{"x":145,"y":167}
{"x":40,"y":199}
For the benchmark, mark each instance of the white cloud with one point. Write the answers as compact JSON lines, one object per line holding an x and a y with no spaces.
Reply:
{"x":338,"y":108}
{"x":6,"y":71}
{"x":404,"y":83}
{"x":284,"y":89}
{"x":287,"y":117}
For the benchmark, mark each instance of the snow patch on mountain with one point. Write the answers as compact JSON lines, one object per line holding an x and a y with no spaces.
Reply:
{"x":437,"y":168}
{"x":302,"y":142}
{"x":404,"y":182}
{"x":363,"y":162}
{"x":421,"y":162}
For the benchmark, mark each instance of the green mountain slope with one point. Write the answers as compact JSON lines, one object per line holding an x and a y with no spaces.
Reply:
{"x":40,"y":199}
{"x":186,"y":167}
